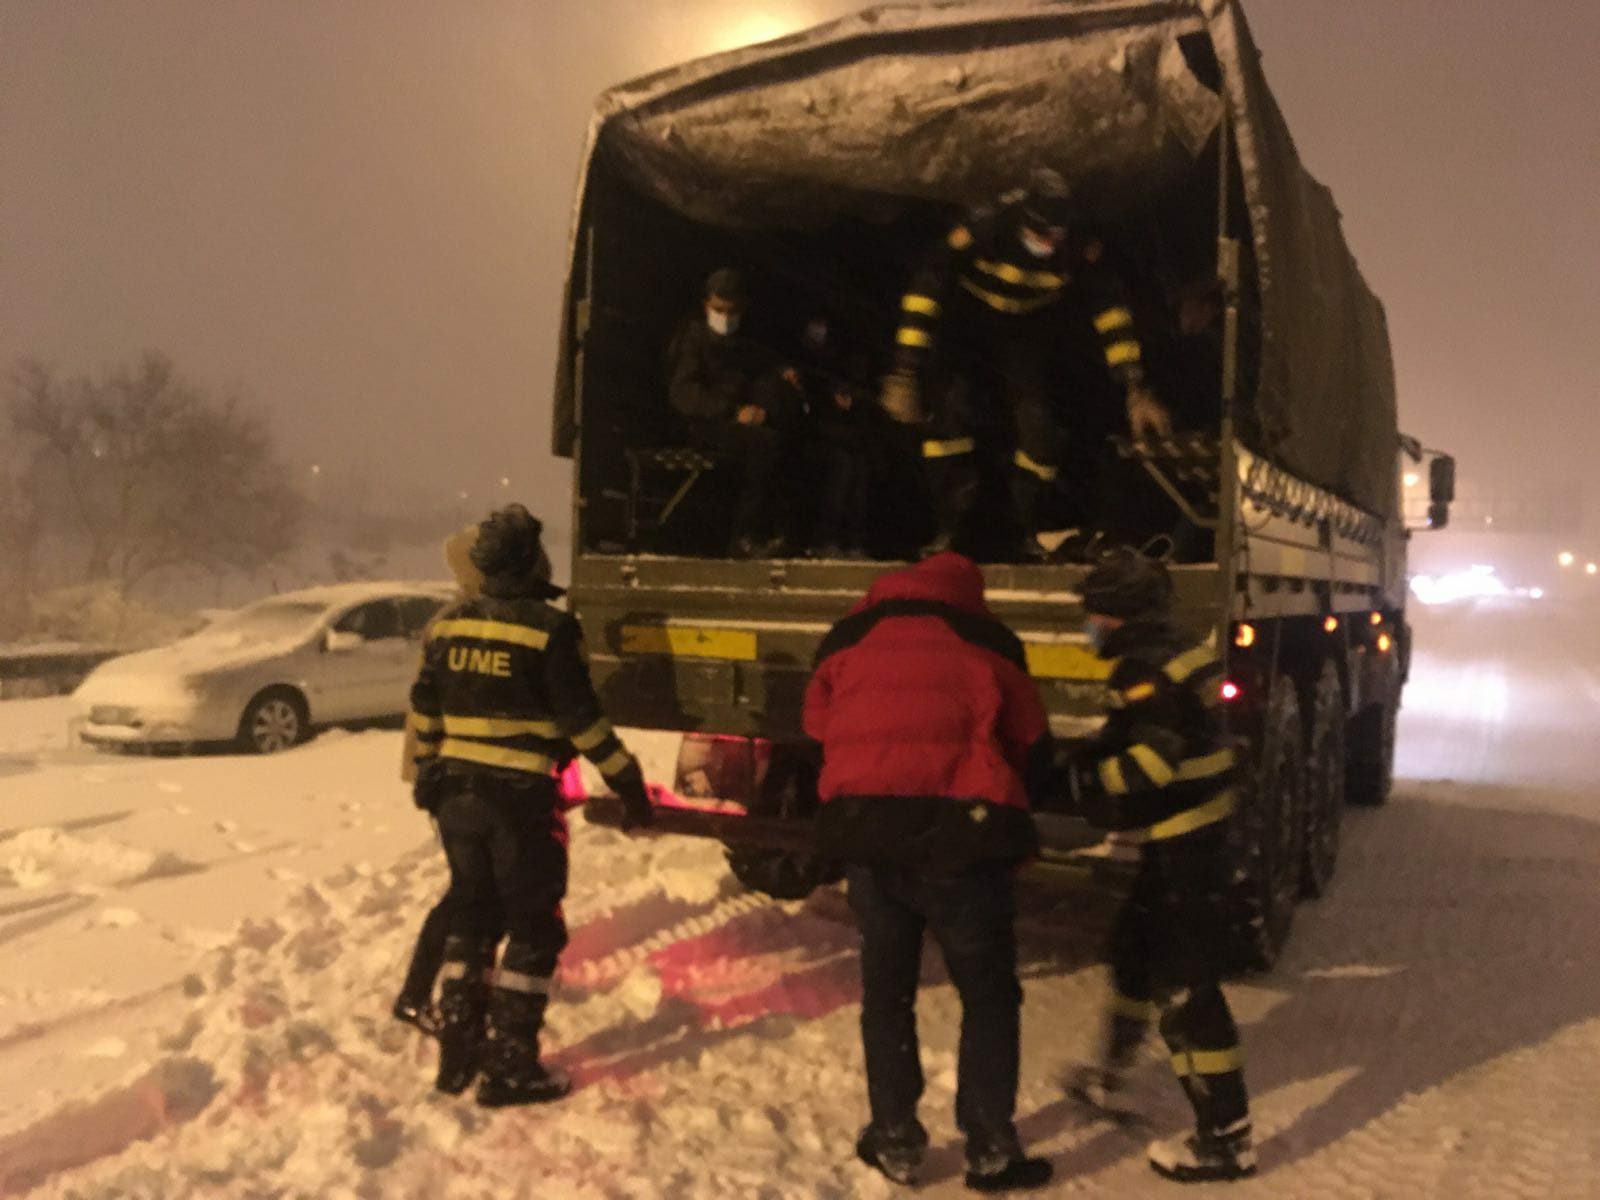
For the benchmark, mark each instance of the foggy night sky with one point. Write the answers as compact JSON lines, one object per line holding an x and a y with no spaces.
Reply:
{"x":356,"y":213}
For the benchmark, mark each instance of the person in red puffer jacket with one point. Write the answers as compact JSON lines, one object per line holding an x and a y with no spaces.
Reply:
{"x":935,"y":746}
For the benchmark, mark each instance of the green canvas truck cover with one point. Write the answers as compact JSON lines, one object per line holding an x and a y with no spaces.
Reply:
{"x":954,"y":102}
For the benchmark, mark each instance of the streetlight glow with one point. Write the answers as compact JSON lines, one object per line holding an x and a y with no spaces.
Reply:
{"x":1565,"y":558}
{"x":1592,"y":569}
{"x":1412,"y":479}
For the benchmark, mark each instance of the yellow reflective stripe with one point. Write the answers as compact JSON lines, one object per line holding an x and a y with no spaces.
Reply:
{"x":1113,"y":318}
{"x":1119,"y":353}
{"x":925,"y":306}
{"x":910,"y":336}
{"x":615,"y":762}
{"x":1139,"y":691}
{"x":497,"y":756}
{"x":425,"y":750}
{"x":593,"y":736}
{"x":1006,"y":303}
{"x":688,"y":641}
{"x":423,"y":723}
{"x":1187,"y":663}
{"x":1205,"y":767}
{"x":1134,"y":1010}
{"x":1033,"y":467}
{"x":960,"y":238}
{"x":949,"y":447}
{"x":1152,"y":764}
{"x":499,"y":727}
{"x":1016,"y":275}
{"x":1208,"y":1062}
{"x":491,"y":631}
{"x":520,"y":981}
{"x":1065,"y":660}
{"x":1111,"y":775}
{"x":1208,"y":813}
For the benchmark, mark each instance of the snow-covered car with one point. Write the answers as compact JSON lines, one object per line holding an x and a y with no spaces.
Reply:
{"x":264,"y":676}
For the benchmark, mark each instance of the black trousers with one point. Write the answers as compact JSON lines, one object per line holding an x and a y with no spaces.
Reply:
{"x":997,"y":383}
{"x":506,"y":843}
{"x":972,"y":918}
{"x":1168,"y":950}
{"x":427,"y":956}
{"x":755,"y":451}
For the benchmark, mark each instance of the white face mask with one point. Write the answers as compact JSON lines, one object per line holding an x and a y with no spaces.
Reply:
{"x":722,"y":323}
{"x":1035,"y":245}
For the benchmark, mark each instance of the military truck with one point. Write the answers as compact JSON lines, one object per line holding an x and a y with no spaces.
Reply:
{"x":819,"y":163}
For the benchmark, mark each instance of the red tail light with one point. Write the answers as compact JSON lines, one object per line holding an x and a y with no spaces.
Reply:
{"x":1231,"y":690}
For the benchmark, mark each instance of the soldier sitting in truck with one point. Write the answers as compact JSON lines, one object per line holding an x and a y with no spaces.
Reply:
{"x":730,"y":389}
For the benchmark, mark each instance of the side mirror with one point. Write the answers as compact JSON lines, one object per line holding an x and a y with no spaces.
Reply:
{"x":1441,"y":490}
{"x":341,"y":641}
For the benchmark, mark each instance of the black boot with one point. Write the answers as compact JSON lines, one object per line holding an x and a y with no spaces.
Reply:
{"x":512,"y":1073}
{"x":1207,"y":1155}
{"x":997,"y":1164}
{"x":895,"y":1153}
{"x":463,"y":1000}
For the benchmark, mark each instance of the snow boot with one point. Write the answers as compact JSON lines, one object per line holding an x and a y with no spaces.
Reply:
{"x":999,"y":1165}
{"x":895,"y":1153}
{"x":463,"y":1001}
{"x":1010,"y":1175}
{"x":1207,"y":1156}
{"x":512,"y":1073}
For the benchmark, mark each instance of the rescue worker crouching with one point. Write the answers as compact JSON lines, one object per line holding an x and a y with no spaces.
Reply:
{"x":934,"y":743}
{"x":1161,"y":772}
{"x":502,"y":700}
{"x":979,"y":328}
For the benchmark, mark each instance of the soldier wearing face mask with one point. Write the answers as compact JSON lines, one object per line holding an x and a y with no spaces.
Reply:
{"x":978,"y":329}
{"x":730,"y":391}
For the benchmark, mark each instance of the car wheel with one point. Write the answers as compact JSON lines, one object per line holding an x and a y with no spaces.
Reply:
{"x":275,"y":720}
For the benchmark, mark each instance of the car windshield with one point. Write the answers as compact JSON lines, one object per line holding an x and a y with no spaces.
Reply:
{"x":266,"y":620}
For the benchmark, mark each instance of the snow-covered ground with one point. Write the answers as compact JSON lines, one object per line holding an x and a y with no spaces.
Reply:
{"x":200,"y":953}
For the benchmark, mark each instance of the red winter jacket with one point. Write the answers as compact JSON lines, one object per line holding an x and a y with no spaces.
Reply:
{"x":932,"y":732}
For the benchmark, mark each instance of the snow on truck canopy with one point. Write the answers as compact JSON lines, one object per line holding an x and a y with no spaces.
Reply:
{"x":952,"y":104}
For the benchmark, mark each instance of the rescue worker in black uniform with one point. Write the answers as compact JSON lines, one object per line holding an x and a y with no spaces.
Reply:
{"x":1161,"y":774}
{"x":502,"y":701}
{"x":980,"y":327}
{"x":728,"y":388}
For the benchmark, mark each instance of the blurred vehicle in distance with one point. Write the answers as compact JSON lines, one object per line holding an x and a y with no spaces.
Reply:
{"x":263,"y":677}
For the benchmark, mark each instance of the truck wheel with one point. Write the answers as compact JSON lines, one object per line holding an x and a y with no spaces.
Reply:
{"x":1325,"y":782}
{"x":1270,"y":832}
{"x":790,"y":790}
{"x":1369,"y":773}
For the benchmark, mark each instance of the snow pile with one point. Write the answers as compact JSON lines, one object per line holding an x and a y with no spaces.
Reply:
{"x":288,"y":1072}
{"x":39,"y":858}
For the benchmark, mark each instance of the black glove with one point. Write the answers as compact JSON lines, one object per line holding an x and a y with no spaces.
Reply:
{"x":637,"y":812}
{"x":428,"y":792}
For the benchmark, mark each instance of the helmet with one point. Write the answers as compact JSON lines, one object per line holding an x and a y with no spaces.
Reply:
{"x":509,"y":545}
{"x":1047,"y":200}
{"x":1124,"y":583}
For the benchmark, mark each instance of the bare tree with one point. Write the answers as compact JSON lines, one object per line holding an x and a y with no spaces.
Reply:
{"x":154,"y":473}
